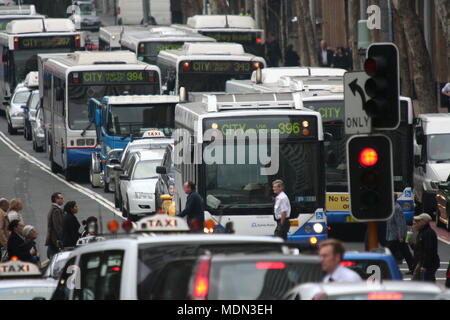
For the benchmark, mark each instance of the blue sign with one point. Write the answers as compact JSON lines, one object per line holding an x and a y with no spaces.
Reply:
{"x":319,"y":215}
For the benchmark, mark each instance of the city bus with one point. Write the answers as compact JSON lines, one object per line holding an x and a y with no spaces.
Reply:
{"x":229,"y":28}
{"x":324,"y":94}
{"x":205,"y":67}
{"x":10,"y":13}
{"x":146,"y":42}
{"x":23,"y":40}
{"x":239,"y":191}
{"x":68,"y":81}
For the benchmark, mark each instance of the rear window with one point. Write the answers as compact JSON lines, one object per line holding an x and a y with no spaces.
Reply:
{"x":378,"y":269}
{"x":259,"y":280}
{"x":153,"y":258}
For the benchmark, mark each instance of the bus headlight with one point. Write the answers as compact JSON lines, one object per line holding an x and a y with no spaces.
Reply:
{"x":318,"y":227}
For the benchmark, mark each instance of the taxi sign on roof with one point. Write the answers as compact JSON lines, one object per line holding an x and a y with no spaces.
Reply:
{"x":153,"y":133}
{"x":162,"y":223}
{"x":89,"y":239}
{"x":18,"y":268}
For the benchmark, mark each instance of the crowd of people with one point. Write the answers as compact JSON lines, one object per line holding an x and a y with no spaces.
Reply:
{"x":17,"y":239}
{"x":339,"y":57}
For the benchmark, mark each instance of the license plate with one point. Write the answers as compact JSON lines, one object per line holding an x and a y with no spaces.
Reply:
{"x":350,"y":219}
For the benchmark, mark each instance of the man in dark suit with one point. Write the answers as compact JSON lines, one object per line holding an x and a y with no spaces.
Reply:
{"x":194,"y":209}
{"x":325,"y":55}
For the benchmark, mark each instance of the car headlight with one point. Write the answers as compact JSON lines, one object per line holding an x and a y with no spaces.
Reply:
{"x":143,"y":195}
{"x":318,"y":227}
{"x":434,"y":184}
{"x":17,"y":114}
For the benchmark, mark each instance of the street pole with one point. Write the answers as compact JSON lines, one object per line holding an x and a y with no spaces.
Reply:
{"x":257,"y":17}
{"x":372,"y":235}
{"x":146,"y":10}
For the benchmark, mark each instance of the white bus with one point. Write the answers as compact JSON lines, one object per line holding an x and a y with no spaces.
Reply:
{"x":23,"y":40}
{"x":146,"y":42}
{"x":131,"y":12}
{"x":206,"y":67}
{"x":322,"y":90}
{"x":67,"y":81}
{"x":229,"y":28}
{"x":240,"y":193}
{"x":10,"y":13}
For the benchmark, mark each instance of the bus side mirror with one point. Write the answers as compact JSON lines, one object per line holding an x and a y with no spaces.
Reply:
{"x":420,"y":137}
{"x":98,"y":118}
{"x":161,"y":170}
{"x":417,"y":161}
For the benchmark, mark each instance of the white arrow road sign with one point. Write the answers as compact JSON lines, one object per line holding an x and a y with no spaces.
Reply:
{"x":356,"y":119}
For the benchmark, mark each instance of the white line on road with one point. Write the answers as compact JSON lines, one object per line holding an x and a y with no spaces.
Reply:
{"x":93,"y":195}
{"x":438,"y":270}
{"x":437,"y":279}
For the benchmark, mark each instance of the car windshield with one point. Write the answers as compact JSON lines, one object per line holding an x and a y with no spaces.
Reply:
{"x":26,"y":293}
{"x":439,"y":147}
{"x":242,"y":186}
{"x":259,"y":280}
{"x":79,"y":94}
{"x":86,"y":9}
{"x":146,"y":169}
{"x":21,"y":97}
{"x":126,"y":120}
{"x":34,"y":100}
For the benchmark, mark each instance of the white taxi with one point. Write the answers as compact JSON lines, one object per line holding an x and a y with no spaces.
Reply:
{"x":23,"y":281}
{"x":125,"y":267}
{"x":138,"y":183}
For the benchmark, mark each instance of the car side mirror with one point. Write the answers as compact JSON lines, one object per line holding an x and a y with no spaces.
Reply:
{"x":161,"y":170}
{"x":114,"y":161}
{"x":420,"y":137}
{"x":124,"y":177}
{"x":5,"y":103}
{"x":24,"y":106}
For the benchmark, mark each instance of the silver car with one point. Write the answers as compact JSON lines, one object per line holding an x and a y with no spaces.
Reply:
{"x":366,"y":290}
{"x":37,"y":130}
{"x":84,"y":16}
{"x":14,"y":111}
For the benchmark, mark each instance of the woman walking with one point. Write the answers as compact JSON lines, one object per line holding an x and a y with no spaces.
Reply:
{"x":14,"y":212}
{"x":17,"y":246}
{"x":71,"y":226}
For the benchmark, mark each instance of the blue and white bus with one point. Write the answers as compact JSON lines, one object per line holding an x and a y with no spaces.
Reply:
{"x":67,"y":81}
{"x":321,"y":90}
{"x":239,"y":192}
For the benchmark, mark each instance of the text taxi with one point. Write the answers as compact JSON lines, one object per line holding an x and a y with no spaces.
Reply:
{"x":126,"y":267}
{"x":23,"y":281}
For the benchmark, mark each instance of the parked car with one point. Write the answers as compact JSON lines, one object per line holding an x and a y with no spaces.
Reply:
{"x":379,"y":265}
{"x":443,"y":205}
{"x":38,"y":130}
{"x":366,"y":290}
{"x":29,"y":114}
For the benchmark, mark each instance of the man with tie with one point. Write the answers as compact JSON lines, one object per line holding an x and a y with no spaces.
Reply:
{"x":331,"y":253}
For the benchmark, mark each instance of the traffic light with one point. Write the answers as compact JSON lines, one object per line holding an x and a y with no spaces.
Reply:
{"x":382,"y":66}
{"x":370,"y":173}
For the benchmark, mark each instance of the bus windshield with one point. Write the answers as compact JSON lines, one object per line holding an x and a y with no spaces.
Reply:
{"x":202,"y":82}
{"x":332,"y":113}
{"x":241,"y":186}
{"x":148,"y":51}
{"x":439,"y":147}
{"x":79,"y":94}
{"x":250,"y":40}
{"x":25,"y":61}
{"x":126,"y":120}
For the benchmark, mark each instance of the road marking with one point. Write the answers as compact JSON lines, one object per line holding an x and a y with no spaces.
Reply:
{"x":444,"y":241}
{"x":87,"y":192}
{"x":438,"y":270}
{"x":437,"y":279}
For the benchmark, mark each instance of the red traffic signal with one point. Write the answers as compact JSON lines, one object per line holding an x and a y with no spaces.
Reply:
{"x":368,"y":157}
{"x":374,"y":66}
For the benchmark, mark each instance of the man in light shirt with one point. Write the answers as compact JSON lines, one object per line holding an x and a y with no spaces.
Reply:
{"x":331,"y":253}
{"x":281,"y":210}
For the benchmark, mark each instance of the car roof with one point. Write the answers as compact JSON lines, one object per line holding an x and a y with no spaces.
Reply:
{"x":169,"y":239}
{"x":366,"y":255}
{"x":344,"y":288}
{"x":23,"y":283}
{"x":237,"y":257}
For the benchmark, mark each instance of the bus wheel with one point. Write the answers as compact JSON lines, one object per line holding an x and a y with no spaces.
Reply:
{"x":95,"y":179}
{"x":11,"y":130}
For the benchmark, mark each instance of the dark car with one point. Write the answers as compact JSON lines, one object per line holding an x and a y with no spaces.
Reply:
{"x":443,"y":205}
{"x":234,"y":277}
{"x":29,"y":114}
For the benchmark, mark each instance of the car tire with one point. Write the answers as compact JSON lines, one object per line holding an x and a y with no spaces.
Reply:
{"x":39,"y":149}
{"x":123,"y":210}
{"x":106,"y":187}
{"x":116,"y":201}
{"x":11,"y":130}
{"x":34,"y":145}
{"x":28,"y":137}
